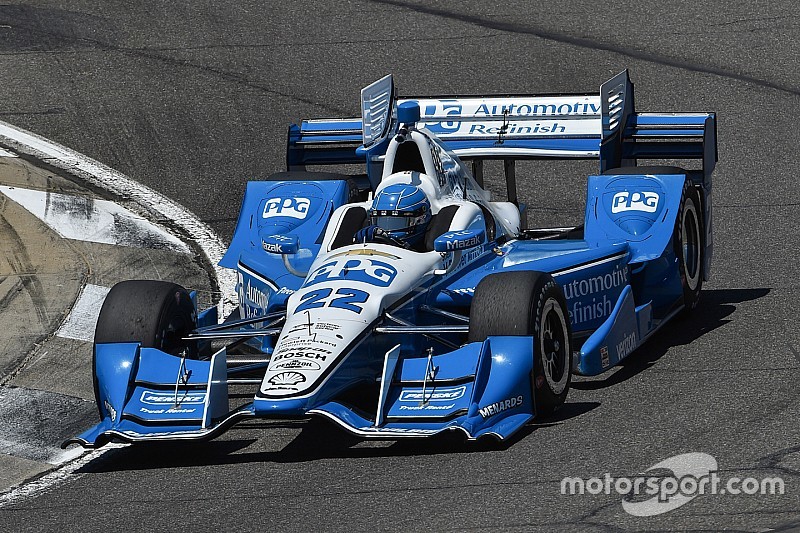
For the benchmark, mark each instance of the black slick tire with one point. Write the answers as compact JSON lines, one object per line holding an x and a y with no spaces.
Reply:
{"x":529,"y":303}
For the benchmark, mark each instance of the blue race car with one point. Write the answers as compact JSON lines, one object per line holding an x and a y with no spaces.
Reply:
{"x":404,"y":302}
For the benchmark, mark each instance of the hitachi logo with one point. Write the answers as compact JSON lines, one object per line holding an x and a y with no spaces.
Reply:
{"x":499,"y":407}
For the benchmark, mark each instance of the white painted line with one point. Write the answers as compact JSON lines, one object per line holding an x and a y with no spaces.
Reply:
{"x":109,"y":179}
{"x":70,"y":454}
{"x":6,"y":153}
{"x":55,"y":478}
{"x":82,"y":319}
{"x":89,"y":219}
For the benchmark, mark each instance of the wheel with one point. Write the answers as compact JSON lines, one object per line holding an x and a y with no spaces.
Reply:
{"x":529,"y":303}
{"x":157,"y":314}
{"x":689,"y":247}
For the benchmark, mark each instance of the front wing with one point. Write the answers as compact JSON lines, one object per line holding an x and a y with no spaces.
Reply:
{"x":482,"y":388}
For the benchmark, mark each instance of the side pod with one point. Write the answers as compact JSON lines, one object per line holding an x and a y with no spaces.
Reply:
{"x":622,"y":332}
{"x":640,"y":209}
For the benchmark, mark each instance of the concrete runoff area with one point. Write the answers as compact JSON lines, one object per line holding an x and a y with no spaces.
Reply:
{"x":51,"y":290}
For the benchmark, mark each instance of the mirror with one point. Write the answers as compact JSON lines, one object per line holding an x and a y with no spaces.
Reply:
{"x":281,"y":244}
{"x":459,"y":240}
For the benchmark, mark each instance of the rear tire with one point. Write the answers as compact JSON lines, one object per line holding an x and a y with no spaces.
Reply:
{"x":156,"y":314}
{"x":690,"y":246}
{"x":529,"y":303}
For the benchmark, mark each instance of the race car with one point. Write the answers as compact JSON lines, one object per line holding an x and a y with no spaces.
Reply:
{"x":403,"y":301}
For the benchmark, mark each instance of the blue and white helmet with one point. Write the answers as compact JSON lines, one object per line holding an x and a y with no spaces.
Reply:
{"x":403,"y":211}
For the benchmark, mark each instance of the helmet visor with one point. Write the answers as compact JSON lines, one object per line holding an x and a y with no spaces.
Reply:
{"x":397,"y":222}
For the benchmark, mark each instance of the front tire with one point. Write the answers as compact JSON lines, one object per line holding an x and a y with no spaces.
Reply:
{"x":156,"y":314}
{"x":529,"y":303}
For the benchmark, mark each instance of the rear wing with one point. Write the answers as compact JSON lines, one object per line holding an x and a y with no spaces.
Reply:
{"x":603,"y":126}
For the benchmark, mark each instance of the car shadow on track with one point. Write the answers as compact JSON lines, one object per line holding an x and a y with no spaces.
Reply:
{"x":714,"y":310}
{"x":317,"y":439}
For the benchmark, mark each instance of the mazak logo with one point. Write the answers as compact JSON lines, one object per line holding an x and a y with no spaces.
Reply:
{"x":435,"y":395}
{"x":369,"y":271}
{"x":646,"y":201}
{"x":275,"y":243}
{"x":286,"y":207}
{"x":169,"y":398}
{"x":272,"y":247}
{"x":458,"y":240}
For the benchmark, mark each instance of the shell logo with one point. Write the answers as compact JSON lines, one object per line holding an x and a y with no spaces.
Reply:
{"x":287,"y":378}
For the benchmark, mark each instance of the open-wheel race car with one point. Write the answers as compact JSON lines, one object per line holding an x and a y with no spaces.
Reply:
{"x":404,"y":301}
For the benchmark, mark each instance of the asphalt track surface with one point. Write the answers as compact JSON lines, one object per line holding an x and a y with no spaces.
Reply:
{"x":193,"y":99}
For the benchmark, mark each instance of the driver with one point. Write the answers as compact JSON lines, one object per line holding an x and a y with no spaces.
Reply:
{"x":399,"y":215}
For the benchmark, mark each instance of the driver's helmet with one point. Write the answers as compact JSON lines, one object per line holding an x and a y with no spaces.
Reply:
{"x":403,"y":211}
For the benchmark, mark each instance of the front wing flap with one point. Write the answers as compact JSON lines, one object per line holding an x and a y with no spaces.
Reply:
{"x":480,"y":389}
{"x":145,"y":394}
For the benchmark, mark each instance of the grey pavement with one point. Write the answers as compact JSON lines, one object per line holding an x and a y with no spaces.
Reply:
{"x":193,"y":99}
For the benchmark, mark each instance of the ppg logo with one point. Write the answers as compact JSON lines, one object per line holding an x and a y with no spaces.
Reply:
{"x":368,"y":271}
{"x":646,"y":201}
{"x":286,"y":207}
